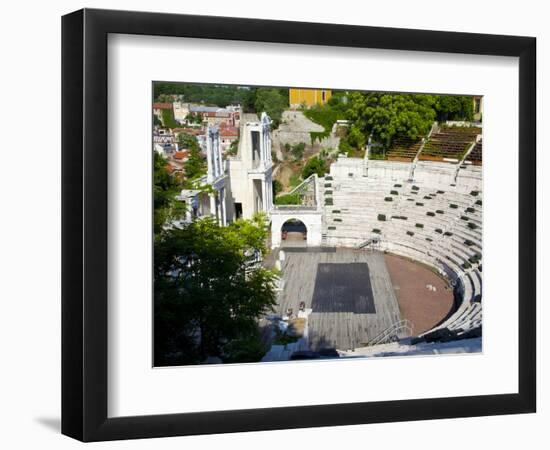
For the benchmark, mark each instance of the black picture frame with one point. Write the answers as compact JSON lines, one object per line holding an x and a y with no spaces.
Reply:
{"x":84,"y":224}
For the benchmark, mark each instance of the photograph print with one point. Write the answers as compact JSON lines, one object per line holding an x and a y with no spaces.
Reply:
{"x":294,"y":224}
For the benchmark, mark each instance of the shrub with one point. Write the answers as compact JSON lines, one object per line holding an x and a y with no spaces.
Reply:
{"x":315,"y":165}
{"x":388,"y":199}
{"x":453,"y":206}
{"x":289,"y":199}
{"x":466,"y":265}
{"x":419,"y":225}
{"x":297,"y":150}
{"x":410,"y":233}
{"x":438,"y":230}
{"x":277,"y":187}
{"x":472,"y":226}
{"x":430,"y":213}
{"x":439,"y":211}
{"x":394,"y":193}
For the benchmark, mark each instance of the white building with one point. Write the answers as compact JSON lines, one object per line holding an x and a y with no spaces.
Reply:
{"x":242,"y":185}
{"x":216,"y":175}
{"x":181,"y":110}
{"x":200,"y":201}
{"x":250,"y":172}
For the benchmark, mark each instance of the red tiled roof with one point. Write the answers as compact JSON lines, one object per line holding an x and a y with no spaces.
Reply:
{"x":229,"y":131}
{"x":162,"y":105}
{"x":181,"y":154}
{"x":216,"y":114}
{"x":193,"y":131}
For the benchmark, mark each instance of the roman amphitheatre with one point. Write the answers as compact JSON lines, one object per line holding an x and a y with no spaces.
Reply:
{"x":384,"y":257}
{"x":376,"y":254}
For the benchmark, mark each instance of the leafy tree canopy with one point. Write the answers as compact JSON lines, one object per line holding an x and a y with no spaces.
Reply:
{"x":388,"y":115}
{"x":165,"y":189}
{"x":195,"y":166}
{"x":454,"y":107}
{"x":251,"y":98}
{"x":209,"y":94}
{"x":273,"y":102}
{"x":206,"y":301}
{"x":315,"y":165}
{"x":233,"y":148}
{"x":277,"y":187}
{"x":297,"y":150}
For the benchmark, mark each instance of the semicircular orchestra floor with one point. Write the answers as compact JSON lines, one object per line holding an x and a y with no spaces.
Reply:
{"x":424,"y":298}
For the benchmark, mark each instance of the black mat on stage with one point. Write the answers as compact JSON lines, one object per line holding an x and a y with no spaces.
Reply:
{"x":343,"y":288}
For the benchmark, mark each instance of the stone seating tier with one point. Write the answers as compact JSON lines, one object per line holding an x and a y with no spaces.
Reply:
{"x":359,"y":200}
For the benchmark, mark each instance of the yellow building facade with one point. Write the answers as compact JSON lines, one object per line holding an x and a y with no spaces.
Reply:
{"x":309,"y":97}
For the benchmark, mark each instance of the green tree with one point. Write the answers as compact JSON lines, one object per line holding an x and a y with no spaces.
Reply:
{"x":315,"y":165}
{"x":277,"y":187}
{"x":188,"y":141}
{"x":208,"y":94}
{"x":165,"y":189}
{"x":454,"y":107}
{"x":233,"y":148}
{"x":207,"y":302}
{"x":298,"y":150}
{"x":195,"y":166}
{"x":272,"y":102}
{"x":386,"y":116}
{"x":193,"y":118}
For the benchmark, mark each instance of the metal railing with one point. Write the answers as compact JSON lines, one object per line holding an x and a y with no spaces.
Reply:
{"x":307,"y":191}
{"x":392,"y":333}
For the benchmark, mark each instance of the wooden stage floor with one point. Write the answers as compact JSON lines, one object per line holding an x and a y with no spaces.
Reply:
{"x":349,"y":291}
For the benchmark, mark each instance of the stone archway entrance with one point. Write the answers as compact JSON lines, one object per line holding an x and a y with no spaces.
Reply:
{"x":293,"y":233}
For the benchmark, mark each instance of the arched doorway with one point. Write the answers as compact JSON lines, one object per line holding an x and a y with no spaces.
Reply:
{"x":294,"y":233}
